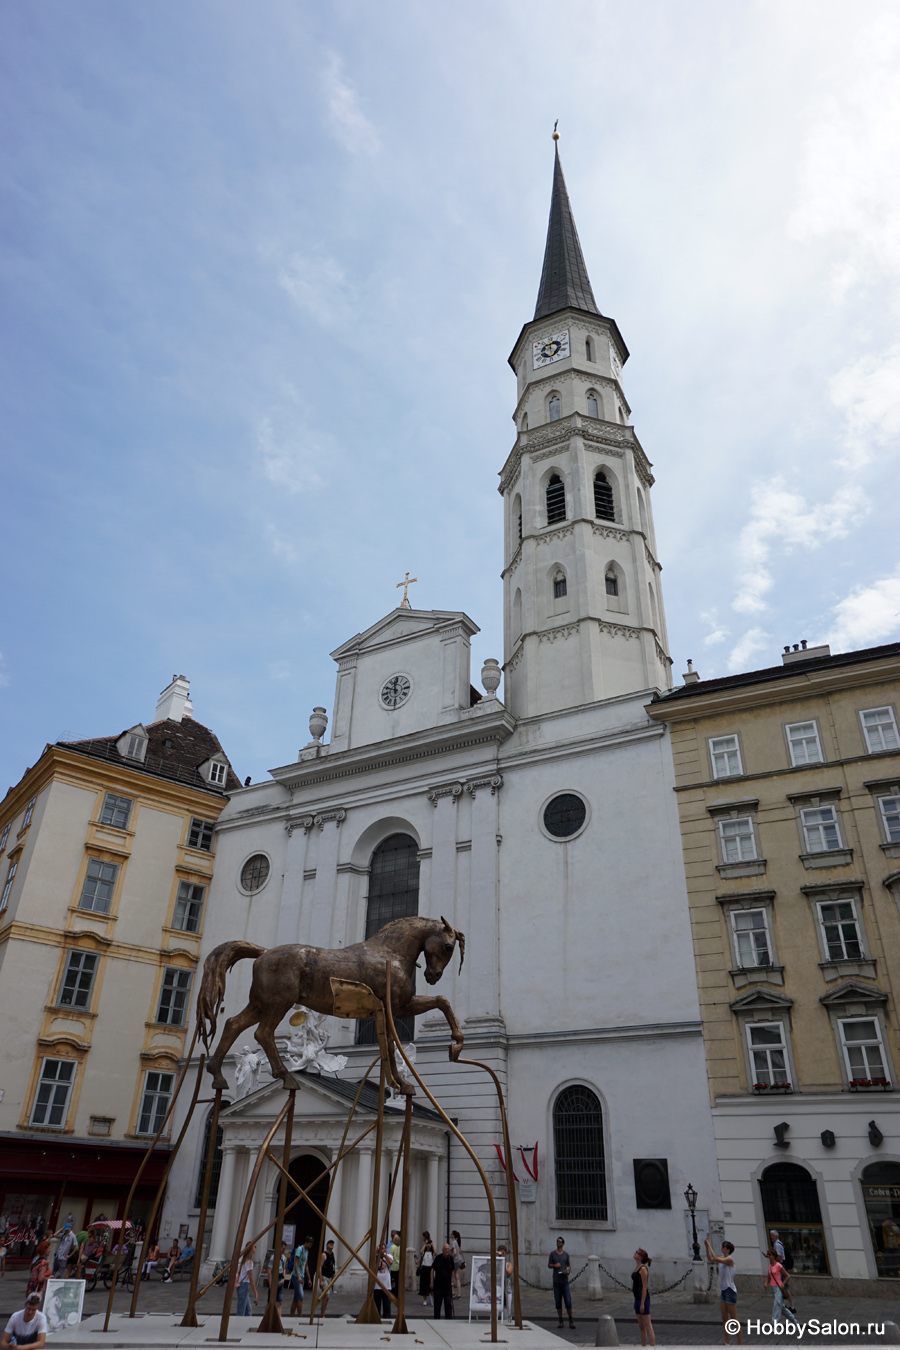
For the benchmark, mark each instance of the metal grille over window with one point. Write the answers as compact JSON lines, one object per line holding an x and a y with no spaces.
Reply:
{"x":612,"y":584}
{"x":579,"y":1157}
{"x":393,"y":894}
{"x":255,"y":872}
{"x":116,"y":811}
{"x":201,"y":834}
{"x":52,"y":1099}
{"x":565,"y":815}
{"x":556,"y":500}
{"x":559,"y":587}
{"x":791,"y":1205}
{"x":604,"y":506}
{"x":78,"y":980}
{"x":155,"y":1102}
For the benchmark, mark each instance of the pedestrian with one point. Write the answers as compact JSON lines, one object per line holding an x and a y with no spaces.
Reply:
{"x":426,"y":1260}
{"x":281,"y":1277}
{"x":776,"y":1244}
{"x":326,"y":1275}
{"x":81,"y":1242}
{"x":67,"y":1244}
{"x":28,"y":1326}
{"x":442,"y":1273}
{"x":507,"y":1300}
{"x":640,"y":1281}
{"x":172,"y":1256}
{"x":40,"y":1269}
{"x":151,"y":1262}
{"x":458,"y":1262}
{"x":298,"y":1271}
{"x":775,"y":1280}
{"x":246,"y":1282}
{"x":560,"y":1263}
{"x":727,"y":1286}
{"x":187,"y":1254}
{"x":394,"y":1254}
{"x":383,"y":1282}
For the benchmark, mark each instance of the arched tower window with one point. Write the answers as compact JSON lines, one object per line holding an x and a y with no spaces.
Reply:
{"x":556,"y":499}
{"x":517,"y":519}
{"x":393,"y":894}
{"x":612,"y":584}
{"x":790,"y":1202}
{"x":604,"y":506}
{"x":216,"y":1163}
{"x":524,"y":421}
{"x":643,"y":512}
{"x":517,"y":614}
{"x":553,"y":408}
{"x":622,"y":415}
{"x":559,"y":586}
{"x":588,"y":350}
{"x":653,"y":614}
{"x":578,"y":1155}
{"x":592,"y":405}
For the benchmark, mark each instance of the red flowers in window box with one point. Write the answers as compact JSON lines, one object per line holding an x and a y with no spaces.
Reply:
{"x":856,"y":1083}
{"x":772,"y":1087}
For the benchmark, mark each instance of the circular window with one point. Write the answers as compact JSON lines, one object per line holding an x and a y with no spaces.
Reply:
{"x":564,"y":815}
{"x":255,"y":872}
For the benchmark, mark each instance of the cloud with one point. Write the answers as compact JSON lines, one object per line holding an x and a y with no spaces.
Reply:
{"x":717,"y":632}
{"x":317,"y":284}
{"x":291,"y":463}
{"x":867,"y":616}
{"x":781,"y":519}
{"x":348,"y":122}
{"x":753,"y":641}
{"x":868,"y":394}
{"x":280,"y":546}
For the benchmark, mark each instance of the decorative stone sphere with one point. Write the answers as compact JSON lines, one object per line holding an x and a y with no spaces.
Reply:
{"x":318,"y":723}
{"x":491,"y":676}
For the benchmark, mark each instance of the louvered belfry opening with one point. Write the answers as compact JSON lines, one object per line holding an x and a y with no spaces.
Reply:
{"x":556,"y":500}
{"x":604,"y":506}
{"x":393,"y":894}
{"x":579,"y":1157}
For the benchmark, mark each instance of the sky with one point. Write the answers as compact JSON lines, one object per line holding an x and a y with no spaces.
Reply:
{"x":262,"y":265}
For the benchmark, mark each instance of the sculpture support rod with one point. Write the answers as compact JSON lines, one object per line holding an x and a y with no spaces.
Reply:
{"x":271,"y":1318}
{"x":400,"y":1326}
{"x":190,"y":1312}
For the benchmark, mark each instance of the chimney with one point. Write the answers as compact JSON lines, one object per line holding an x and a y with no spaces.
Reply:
{"x":690,"y":676}
{"x":801,"y":652}
{"x":174,"y":702}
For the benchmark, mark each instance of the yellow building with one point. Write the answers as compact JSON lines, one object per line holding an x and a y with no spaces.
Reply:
{"x":788,"y":784}
{"x":106,"y":853}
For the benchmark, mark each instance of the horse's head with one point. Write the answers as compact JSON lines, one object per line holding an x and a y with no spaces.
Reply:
{"x":438,"y":950}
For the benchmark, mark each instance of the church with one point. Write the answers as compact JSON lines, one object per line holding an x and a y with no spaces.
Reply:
{"x":542,"y":823}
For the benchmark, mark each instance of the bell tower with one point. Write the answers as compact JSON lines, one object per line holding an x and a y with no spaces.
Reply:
{"x":583,"y":611}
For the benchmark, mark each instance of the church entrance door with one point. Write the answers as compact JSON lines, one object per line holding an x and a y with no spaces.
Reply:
{"x":304,"y":1170}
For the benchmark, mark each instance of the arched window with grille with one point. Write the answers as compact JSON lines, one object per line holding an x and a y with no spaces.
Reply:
{"x":556,"y":499}
{"x":593,"y":406}
{"x":216,"y":1165}
{"x":517,"y":519}
{"x":604,"y":505}
{"x":579,"y":1156}
{"x":790,"y":1201}
{"x":559,"y":586}
{"x":553,"y":408}
{"x":393,"y":894}
{"x":612,"y":583}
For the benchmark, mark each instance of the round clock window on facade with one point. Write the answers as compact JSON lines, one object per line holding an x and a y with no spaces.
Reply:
{"x":564,"y":815}
{"x":255,"y":872}
{"x":395,"y":691}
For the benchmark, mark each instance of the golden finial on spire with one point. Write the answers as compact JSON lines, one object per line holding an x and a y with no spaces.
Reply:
{"x":555,"y":132}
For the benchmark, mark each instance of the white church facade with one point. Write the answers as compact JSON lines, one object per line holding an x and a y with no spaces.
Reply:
{"x":543,"y":825}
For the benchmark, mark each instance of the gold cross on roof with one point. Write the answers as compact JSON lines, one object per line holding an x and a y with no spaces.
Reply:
{"x":406,"y":583}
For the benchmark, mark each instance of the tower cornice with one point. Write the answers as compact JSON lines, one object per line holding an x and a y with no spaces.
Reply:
{"x":595,"y":323}
{"x":597,"y":435}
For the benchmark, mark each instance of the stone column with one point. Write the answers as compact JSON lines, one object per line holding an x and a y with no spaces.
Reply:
{"x":432,"y":1199}
{"x":483,"y":943}
{"x":223,"y":1229}
{"x":365,"y":1170}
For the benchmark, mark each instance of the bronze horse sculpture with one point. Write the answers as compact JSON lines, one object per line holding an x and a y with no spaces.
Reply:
{"x":319,"y":978}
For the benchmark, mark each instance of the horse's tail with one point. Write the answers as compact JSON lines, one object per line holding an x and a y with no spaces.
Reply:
{"x":212,"y":986}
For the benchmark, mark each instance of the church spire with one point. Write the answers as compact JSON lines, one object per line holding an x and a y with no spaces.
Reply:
{"x":564,"y":279}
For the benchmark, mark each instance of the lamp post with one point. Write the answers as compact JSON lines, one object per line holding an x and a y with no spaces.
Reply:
{"x":690,"y":1196}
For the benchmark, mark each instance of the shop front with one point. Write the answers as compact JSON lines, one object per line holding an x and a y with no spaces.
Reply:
{"x":881,"y":1196}
{"x":790,"y":1200}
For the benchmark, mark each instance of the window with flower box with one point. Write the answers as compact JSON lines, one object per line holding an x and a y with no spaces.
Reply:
{"x":863,"y":1052}
{"x":768,"y":1056}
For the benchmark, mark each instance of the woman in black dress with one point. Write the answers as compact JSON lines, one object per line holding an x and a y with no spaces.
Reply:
{"x":426,"y":1261}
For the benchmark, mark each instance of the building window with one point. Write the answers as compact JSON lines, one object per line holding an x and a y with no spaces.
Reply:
{"x":559,"y":588}
{"x":738,"y":840}
{"x":99,"y":884}
{"x":579,"y":1156}
{"x":564,"y":815}
{"x":10,"y":878}
{"x":78,"y":980}
{"x":768,"y":1056}
{"x":255,"y":872}
{"x":881,"y":1193}
{"x":820,"y":829}
{"x":790,"y":1204}
{"x":725,"y":753}
{"x":593,"y":409}
{"x":588,"y":350}
{"x":556,"y":500}
{"x":188,"y":907}
{"x":217,"y":772}
{"x":524,"y":421}
{"x":751,"y":938}
{"x":553,"y":408}
{"x":803,"y":739}
{"x":4,"y":836}
{"x":880,"y":730}
{"x":116,"y":811}
{"x":201,"y":834}
{"x":604,"y":506}
{"x":52,"y":1100}
{"x":155,"y":1101}
{"x":842,"y":938}
{"x":173,"y":997}
{"x":863,"y":1051}
{"x":890,"y":814}
{"x":612,"y":584}
{"x":29,"y":812}
{"x":393,"y":894}
{"x":216,"y":1169}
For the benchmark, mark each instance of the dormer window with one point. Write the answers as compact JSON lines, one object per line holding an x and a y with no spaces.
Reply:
{"x":553,"y":408}
{"x":217,"y":772}
{"x":132,"y":744}
{"x":592,"y":405}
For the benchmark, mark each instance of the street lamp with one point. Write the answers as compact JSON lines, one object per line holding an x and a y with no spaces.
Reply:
{"x":690,"y":1196}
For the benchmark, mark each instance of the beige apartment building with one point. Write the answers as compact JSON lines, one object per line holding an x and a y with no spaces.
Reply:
{"x":788,"y":784}
{"x":106,"y":854}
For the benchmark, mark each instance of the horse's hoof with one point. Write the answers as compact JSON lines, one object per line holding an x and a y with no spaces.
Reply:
{"x":455,"y":1051}
{"x":291,"y":1084}
{"x":218,"y":1079}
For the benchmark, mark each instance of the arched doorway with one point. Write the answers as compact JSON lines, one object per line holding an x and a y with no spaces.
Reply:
{"x":304,"y":1170}
{"x":881,"y":1193}
{"x":790,"y":1202}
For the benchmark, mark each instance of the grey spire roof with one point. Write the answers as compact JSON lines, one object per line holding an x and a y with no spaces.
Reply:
{"x":564,"y":279}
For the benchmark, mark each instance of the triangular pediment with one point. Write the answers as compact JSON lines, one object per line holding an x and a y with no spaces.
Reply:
{"x":759,"y":999}
{"x":316,"y":1096}
{"x":853,"y":991}
{"x":403,"y":625}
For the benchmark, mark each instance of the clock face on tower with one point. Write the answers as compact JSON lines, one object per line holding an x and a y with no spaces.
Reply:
{"x":549,"y":349}
{"x":395,"y":691}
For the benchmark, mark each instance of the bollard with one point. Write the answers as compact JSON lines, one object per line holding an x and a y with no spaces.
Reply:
{"x":594,"y":1287}
{"x":412,"y":1280}
{"x":606,"y":1331}
{"x":891,"y":1334}
{"x":701,"y":1290}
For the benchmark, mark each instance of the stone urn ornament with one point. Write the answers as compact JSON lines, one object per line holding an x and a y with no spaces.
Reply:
{"x":318,"y":724}
{"x":491,"y":676}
